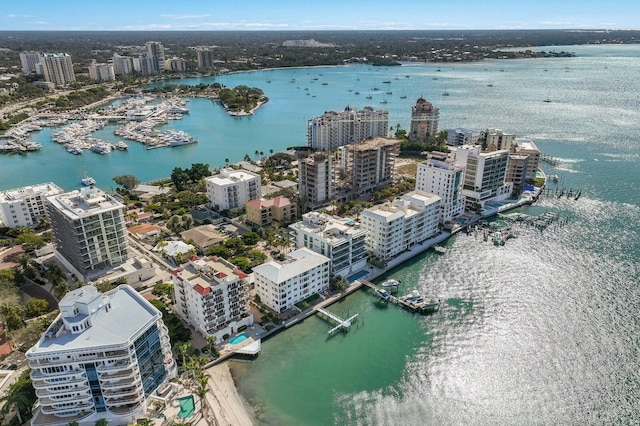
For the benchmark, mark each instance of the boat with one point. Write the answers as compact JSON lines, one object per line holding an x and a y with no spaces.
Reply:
{"x":121,"y":146}
{"x":439,"y":249}
{"x":391,"y":284}
{"x":431,"y":305}
{"x":356,"y":93}
{"x":384,"y":101}
{"x":178,"y":110}
{"x":88,"y":180}
{"x":387,"y":82}
{"x":445,"y":93}
{"x":403,"y":97}
{"x":325,"y":84}
{"x":101,"y":148}
{"x":383,"y":294}
{"x":414,"y":297}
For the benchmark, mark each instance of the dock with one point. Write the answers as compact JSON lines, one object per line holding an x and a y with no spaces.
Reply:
{"x":342,"y":324}
{"x":422,"y":306}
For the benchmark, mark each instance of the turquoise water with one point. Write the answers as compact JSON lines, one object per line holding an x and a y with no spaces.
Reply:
{"x":543,"y":330}
{"x":239,"y":338}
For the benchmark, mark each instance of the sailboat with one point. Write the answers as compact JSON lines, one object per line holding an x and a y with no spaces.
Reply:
{"x":88,"y":180}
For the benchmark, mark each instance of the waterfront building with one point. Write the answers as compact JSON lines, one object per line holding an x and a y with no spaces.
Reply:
{"x":460,"y":136}
{"x":335,"y":129}
{"x":101,"y":72}
{"x":396,"y":226}
{"x":122,"y":65}
{"x":28,"y":60}
{"x":206,"y":57}
{"x":155,"y":52}
{"x":440,"y":175}
{"x":517,"y":170}
{"x":485,"y":175}
{"x":264,"y":212}
{"x":368,"y":165}
{"x":89,"y":231}
{"x":496,"y":140}
{"x":315,"y":180}
{"x":100,"y":359}
{"x":25,"y":206}
{"x":212,"y":295}
{"x":340,"y":239}
{"x":176,"y":64}
{"x":56,"y":68}
{"x":530,"y":149}
{"x":281,"y":285}
{"x":424,"y":121}
{"x":231,"y":189}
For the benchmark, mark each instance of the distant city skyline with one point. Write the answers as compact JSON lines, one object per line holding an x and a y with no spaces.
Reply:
{"x":289,"y":15}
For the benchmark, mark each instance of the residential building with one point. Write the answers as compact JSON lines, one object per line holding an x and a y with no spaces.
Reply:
{"x":281,"y":285}
{"x":440,"y":175}
{"x":56,"y":68}
{"x":89,"y":231}
{"x":369,"y":165}
{"x":144,"y":65}
{"x":100,"y":359}
{"x":28,"y":60}
{"x":176,"y":64}
{"x":101,"y":72}
{"x":315,"y":180}
{"x":25,"y":206}
{"x":264,"y":212}
{"x":424,"y":121}
{"x":231,"y":189}
{"x":155,"y":52}
{"x":460,"y":136}
{"x":517,"y":170}
{"x":212,"y":295}
{"x":335,"y":129}
{"x":496,"y":140}
{"x":340,"y":239}
{"x":122,"y":65}
{"x":206,"y":57}
{"x":530,"y":149}
{"x":396,"y":226}
{"x":485,"y":175}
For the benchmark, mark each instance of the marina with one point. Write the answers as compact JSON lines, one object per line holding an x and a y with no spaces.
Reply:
{"x":412,"y":302}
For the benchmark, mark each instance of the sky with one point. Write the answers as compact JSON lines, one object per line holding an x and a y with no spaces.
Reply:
{"x":297,"y":15}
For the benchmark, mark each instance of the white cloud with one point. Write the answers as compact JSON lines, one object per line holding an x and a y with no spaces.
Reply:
{"x":186,"y":16}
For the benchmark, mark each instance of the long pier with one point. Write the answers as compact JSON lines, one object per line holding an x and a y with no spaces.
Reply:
{"x":342,"y":324}
{"x":422,"y":306}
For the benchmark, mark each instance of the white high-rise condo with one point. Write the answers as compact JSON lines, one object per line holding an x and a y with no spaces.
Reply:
{"x":441,"y":176}
{"x":231,"y":189}
{"x":25,"y":206}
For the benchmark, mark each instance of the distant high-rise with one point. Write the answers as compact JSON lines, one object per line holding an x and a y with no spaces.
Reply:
{"x":155,"y":51}
{"x":29,"y":61}
{"x":424,"y":121}
{"x":144,"y":65}
{"x":122,"y":65}
{"x":56,"y":68}
{"x":89,"y":231}
{"x":205,"y":57}
{"x":335,"y":129}
{"x":101,"y":72}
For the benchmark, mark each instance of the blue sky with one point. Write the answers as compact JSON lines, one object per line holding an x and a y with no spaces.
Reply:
{"x":165,"y":15}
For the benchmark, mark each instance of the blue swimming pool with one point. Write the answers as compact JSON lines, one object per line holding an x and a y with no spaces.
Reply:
{"x":239,"y":338}
{"x":358,"y":275}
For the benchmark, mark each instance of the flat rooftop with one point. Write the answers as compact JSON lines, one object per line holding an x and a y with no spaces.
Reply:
{"x":84,"y":202}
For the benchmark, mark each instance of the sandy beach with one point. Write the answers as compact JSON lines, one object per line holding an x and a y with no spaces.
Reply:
{"x":223,"y":398}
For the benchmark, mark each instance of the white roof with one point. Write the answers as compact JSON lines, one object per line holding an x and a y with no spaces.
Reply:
{"x":298,"y":262}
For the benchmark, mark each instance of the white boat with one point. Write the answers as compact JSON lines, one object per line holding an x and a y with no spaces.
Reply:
{"x":88,"y":181}
{"x":383,"y":294}
{"x":122,"y":146}
{"x":431,"y":305}
{"x":101,"y":148}
{"x":178,"y":110}
{"x":391,"y":284}
{"x":414,"y":296}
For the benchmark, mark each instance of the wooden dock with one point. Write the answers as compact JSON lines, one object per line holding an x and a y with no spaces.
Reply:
{"x":422,"y":306}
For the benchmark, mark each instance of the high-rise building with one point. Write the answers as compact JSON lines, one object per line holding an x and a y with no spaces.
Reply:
{"x":231,"y":189}
{"x":424,"y":121}
{"x":315,"y":180}
{"x":144,"y":65}
{"x":101,"y":72}
{"x":29,"y":61}
{"x":89,"y":231}
{"x":369,"y":164}
{"x":206,"y":57}
{"x":56,"y":68}
{"x":155,"y":51}
{"x":100,"y":359}
{"x":212,"y":295}
{"x":176,"y":64}
{"x":530,"y":149}
{"x":335,"y":129}
{"x":396,"y":226}
{"x":281,"y":285}
{"x":25,"y":206}
{"x":122,"y":65}
{"x":340,"y":239}
{"x":440,"y":175}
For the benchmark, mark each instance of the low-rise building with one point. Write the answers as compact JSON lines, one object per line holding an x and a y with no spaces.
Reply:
{"x":25,"y":206}
{"x":231,"y":189}
{"x":212,"y":295}
{"x":267,"y":211}
{"x":340,"y":239}
{"x":280,"y":285}
{"x":100,"y":359}
{"x":396,"y":226}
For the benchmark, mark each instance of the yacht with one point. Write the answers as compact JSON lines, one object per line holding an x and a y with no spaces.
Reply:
{"x":391,"y":284}
{"x":88,"y":180}
{"x":383,"y":294}
{"x":121,"y":146}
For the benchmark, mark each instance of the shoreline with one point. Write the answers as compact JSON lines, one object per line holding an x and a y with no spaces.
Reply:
{"x":227,"y":406}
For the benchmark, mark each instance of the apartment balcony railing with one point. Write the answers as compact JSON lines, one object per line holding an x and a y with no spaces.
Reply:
{"x":106,"y":377}
{"x":57,"y":408}
{"x":123,"y":392}
{"x":82,"y":397}
{"x":117,"y":366}
{"x":135,"y":398}
{"x":122,"y":383}
{"x":122,"y":410}
{"x":38,"y":374}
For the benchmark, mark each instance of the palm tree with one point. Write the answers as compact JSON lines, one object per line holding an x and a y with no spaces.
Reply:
{"x":201,"y":391}
{"x":211,"y":341}
{"x":101,"y":422}
{"x":17,"y":399}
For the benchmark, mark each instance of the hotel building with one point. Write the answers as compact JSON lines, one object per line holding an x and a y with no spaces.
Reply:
{"x":24,"y":206}
{"x":89,"y":231}
{"x":424,"y":121}
{"x":231,"y":189}
{"x":281,"y":285}
{"x":396,"y":226}
{"x":212,"y":295}
{"x":341,"y":240}
{"x":100,"y":359}
{"x":335,"y":129}
{"x":440,"y":175}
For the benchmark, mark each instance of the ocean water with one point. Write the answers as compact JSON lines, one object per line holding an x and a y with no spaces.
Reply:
{"x":542,"y":330}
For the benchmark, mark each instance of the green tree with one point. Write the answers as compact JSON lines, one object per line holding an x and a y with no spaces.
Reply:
{"x":180,"y":178}
{"x":128,"y":182}
{"x":12,"y":315}
{"x":250,"y":238}
{"x":35,"y":307}
{"x":101,"y":422}
{"x":19,"y":398}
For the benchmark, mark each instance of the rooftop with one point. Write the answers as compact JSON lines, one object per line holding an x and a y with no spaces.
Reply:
{"x":298,"y":262}
{"x":84,"y":202}
{"x":45,"y":189}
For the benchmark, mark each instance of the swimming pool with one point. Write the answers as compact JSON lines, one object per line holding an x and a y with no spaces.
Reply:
{"x":239,"y":338}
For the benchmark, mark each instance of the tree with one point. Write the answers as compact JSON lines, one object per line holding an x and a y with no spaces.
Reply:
{"x":128,"y":182}
{"x":12,"y":313}
{"x":211,"y":342}
{"x":101,"y":422}
{"x":20,"y":397}
{"x":250,"y":238}
{"x":35,"y":307}
{"x":180,"y":178}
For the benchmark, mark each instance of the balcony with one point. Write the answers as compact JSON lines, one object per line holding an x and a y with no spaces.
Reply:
{"x":77,"y":397}
{"x":135,"y":398}
{"x":122,"y":392}
{"x":38,"y":374}
{"x":54,"y":409}
{"x":121,"y":410}
{"x":106,"y":377}
{"x":122,"y":383}
{"x":117,"y":366}
{"x":49,"y":387}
